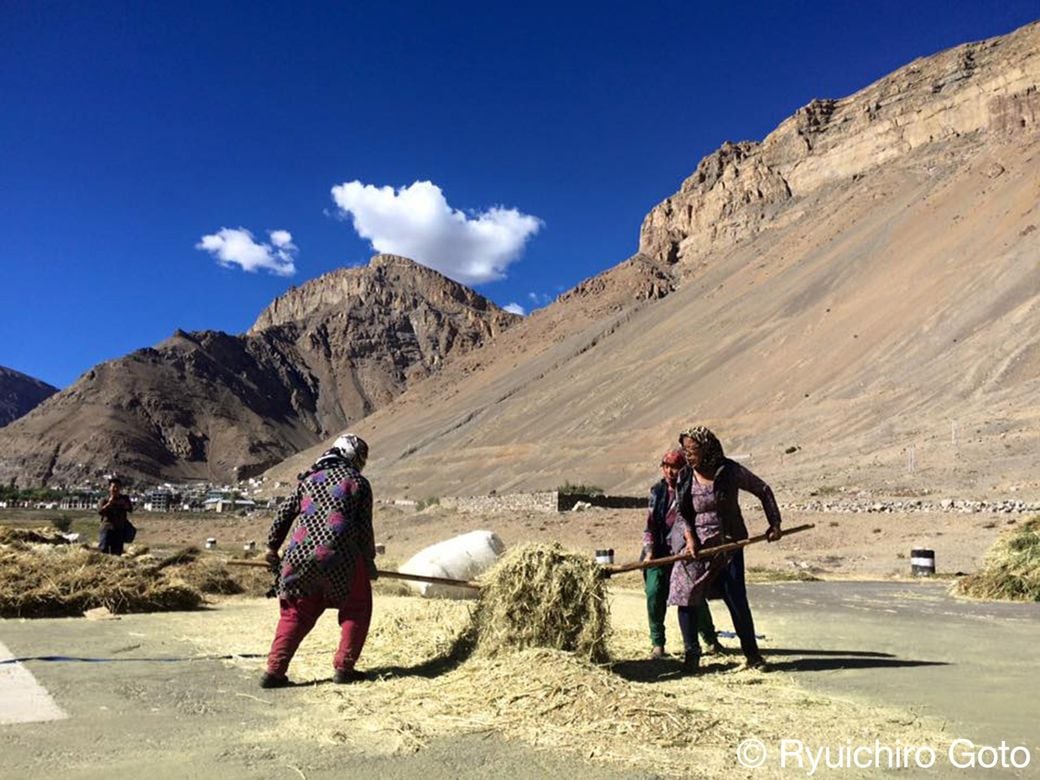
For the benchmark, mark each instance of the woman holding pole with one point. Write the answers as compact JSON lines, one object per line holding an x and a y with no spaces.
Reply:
{"x":710,"y":515}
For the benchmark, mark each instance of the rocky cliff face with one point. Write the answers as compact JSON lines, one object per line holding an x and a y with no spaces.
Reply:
{"x":214,"y":406}
{"x":852,"y":303}
{"x":973,"y":91}
{"x":19,"y":394}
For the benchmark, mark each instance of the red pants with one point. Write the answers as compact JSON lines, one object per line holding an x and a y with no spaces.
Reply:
{"x":298,"y":617}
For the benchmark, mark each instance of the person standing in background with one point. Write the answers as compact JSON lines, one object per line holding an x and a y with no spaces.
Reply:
{"x":114,"y":510}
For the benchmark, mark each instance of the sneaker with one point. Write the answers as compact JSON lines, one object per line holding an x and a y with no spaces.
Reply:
{"x":714,"y":648}
{"x":274,"y":680}
{"x":657,"y":653}
{"x":343,"y":676}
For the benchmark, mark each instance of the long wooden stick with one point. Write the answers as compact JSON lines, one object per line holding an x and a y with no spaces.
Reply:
{"x":391,"y":575}
{"x":612,"y":569}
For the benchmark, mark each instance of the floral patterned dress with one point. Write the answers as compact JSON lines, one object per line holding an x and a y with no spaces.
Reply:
{"x":690,"y":579}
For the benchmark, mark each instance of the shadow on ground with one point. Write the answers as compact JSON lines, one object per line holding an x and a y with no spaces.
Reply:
{"x":781,"y":660}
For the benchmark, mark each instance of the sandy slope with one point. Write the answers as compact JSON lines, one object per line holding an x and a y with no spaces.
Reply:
{"x":897,"y":311}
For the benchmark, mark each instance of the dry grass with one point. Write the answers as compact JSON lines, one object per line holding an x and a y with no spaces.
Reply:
{"x":1011,"y":570}
{"x":42,"y":575}
{"x":542,"y":596}
{"x":426,"y":684}
{"x":51,"y":581}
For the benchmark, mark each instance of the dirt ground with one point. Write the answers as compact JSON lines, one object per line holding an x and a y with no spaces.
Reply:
{"x":842,"y":545}
{"x":176,"y":692}
{"x":871,"y":636}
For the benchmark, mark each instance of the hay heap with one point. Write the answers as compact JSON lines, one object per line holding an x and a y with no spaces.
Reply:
{"x":1012,"y":568}
{"x":542,"y":596}
{"x":41,"y":576}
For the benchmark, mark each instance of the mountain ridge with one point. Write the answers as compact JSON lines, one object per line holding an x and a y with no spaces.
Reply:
{"x":833,"y":333}
{"x":214,"y":406}
{"x":20,"y":393}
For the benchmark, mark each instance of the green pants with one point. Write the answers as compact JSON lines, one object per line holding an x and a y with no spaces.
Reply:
{"x":657,"y":581}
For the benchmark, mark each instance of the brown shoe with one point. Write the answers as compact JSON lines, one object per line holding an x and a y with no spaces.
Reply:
{"x":346,"y":676}
{"x":657,"y":653}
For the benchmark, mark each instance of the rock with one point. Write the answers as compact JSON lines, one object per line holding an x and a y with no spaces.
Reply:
{"x":209,"y":405}
{"x":740,"y":189}
{"x":19,"y":394}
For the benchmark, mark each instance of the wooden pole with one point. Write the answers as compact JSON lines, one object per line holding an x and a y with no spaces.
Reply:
{"x":610,"y":570}
{"x":390,"y":575}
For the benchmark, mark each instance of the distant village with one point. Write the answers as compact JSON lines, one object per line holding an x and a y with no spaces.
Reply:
{"x":242,"y":499}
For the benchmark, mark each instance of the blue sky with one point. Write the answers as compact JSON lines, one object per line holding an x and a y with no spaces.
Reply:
{"x":133,"y":133}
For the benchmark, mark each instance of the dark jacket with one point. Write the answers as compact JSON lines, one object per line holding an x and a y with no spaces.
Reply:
{"x":114,"y":512}
{"x":730,"y":479}
{"x":657,"y":536}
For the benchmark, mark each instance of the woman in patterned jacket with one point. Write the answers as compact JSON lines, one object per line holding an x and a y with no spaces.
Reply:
{"x":328,"y":562}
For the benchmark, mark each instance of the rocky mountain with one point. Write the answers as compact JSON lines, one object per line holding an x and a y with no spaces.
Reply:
{"x":20,"y":393}
{"x":852,"y":303}
{"x":210,"y":405}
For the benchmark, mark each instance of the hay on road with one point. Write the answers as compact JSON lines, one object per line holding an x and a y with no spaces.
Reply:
{"x":635,"y":713}
{"x":1011,"y":570}
{"x":542,"y":596}
{"x":42,"y":575}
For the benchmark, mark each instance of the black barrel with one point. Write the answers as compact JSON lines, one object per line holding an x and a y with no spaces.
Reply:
{"x":922,"y":563}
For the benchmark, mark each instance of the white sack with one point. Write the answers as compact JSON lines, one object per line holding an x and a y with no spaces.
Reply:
{"x":460,"y":558}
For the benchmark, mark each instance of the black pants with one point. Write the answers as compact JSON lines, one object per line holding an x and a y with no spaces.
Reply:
{"x":734,"y":592}
{"x":111,"y":540}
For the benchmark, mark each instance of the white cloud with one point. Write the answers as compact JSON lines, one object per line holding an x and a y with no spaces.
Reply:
{"x":417,"y":222}
{"x":282,"y":239}
{"x":236,"y":246}
{"x":514,"y":308}
{"x":540,"y":299}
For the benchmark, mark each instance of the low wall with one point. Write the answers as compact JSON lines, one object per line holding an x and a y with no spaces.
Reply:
{"x":547,"y":501}
{"x":512,"y":502}
{"x":567,"y":501}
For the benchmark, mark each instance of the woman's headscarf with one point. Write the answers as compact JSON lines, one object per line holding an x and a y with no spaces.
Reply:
{"x":709,"y":445}
{"x":348,"y":449}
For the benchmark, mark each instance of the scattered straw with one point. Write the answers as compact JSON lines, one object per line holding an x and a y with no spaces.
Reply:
{"x":632,"y":712}
{"x":541,"y":595}
{"x":1011,"y":570}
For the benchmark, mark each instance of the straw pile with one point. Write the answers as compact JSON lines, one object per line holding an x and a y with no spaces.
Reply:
{"x":1012,"y":568}
{"x":21,"y":538}
{"x":542,"y":596}
{"x":41,"y":575}
{"x":68,"y":581}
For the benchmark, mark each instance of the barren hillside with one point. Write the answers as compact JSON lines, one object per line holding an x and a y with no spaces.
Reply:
{"x":19,"y":393}
{"x":856,"y":304}
{"x":213,"y":406}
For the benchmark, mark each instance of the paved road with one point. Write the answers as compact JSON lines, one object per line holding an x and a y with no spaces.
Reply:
{"x":130,"y":717}
{"x":911,"y":645}
{"x":902,"y":644}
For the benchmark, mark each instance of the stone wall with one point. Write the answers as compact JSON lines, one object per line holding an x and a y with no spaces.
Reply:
{"x":513,"y":502}
{"x":548,"y":501}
